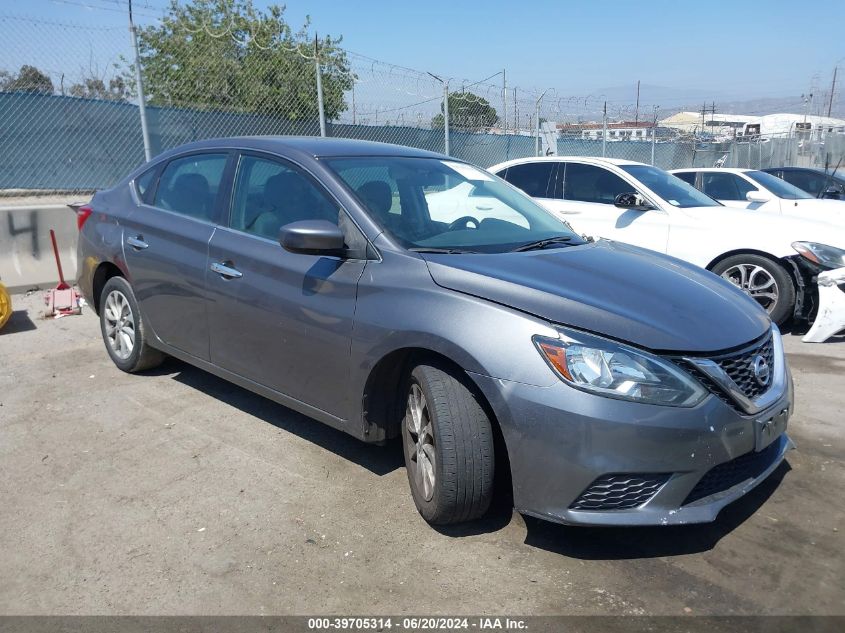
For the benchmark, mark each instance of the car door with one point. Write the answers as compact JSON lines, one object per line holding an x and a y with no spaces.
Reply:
{"x":166,"y":248}
{"x":280,"y":319}
{"x":589,"y":192}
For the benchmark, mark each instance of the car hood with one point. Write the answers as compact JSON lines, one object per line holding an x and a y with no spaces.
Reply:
{"x":620,"y":291}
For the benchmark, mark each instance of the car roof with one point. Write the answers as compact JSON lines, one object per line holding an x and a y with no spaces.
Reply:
{"x":597,"y":160}
{"x":728,"y":170}
{"x":315,"y":146}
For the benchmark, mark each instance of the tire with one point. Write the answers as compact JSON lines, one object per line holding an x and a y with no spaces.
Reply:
{"x":760,"y":277}
{"x":123,"y":329}
{"x":457,"y":443}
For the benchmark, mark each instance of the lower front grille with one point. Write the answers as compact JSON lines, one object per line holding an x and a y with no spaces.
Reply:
{"x":736,"y":471}
{"x":620,"y":491}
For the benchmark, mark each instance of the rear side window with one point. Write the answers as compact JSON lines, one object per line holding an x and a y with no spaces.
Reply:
{"x":687,"y":176}
{"x":535,"y":179}
{"x":588,"y":183}
{"x":189,"y":185}
{"x":144,"y":185}
{"x":725,"y":186}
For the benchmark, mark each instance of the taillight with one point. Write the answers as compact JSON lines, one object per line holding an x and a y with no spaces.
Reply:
{"x":82,"y":214}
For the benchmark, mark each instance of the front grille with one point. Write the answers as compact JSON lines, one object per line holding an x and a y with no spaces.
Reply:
{"x":620,"y":491}
{"x":736,"y":471}
{"x":740,"y":367}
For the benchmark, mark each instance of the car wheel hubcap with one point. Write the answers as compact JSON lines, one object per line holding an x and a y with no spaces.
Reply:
{"x":120,"y":324}
{"x":420,"y":442}
{"x":756,"y":282}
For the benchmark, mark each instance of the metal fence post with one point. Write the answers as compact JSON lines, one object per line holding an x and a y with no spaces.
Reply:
{"x":142,"y":109}
{"x":537,"y":124}
{"x":654,"y":135}
{"x":320,"y":109}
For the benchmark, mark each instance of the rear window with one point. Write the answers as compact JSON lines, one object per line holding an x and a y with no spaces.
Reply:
{"x":189,"y":185}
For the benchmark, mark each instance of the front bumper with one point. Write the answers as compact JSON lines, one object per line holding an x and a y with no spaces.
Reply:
{"x":560,"y":441}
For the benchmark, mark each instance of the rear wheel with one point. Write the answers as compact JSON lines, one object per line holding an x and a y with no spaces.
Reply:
{"x":123,"y":329}
{"x":764,"y":280}
{"x":448,"y":444}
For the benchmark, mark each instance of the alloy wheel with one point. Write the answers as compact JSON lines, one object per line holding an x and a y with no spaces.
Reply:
{"x":755,"y":281}
{"x":420,"y":442}
{"x":120,"y":324}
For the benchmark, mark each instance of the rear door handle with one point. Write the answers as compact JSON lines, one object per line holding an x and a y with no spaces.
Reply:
{"x":227,"y":272}
{"x":137,"y":242}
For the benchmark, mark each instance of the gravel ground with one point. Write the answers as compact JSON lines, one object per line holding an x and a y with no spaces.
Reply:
{"x":175,"y":492}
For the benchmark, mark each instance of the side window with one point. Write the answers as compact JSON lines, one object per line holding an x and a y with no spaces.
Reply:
{"x":808,"y":181}
{"x":269,"y":194}
{"x":724,"y":186}
{"x":535,"y":179}
{"x":588,"y":183}
{"x":144,"y":185}
{"x":687,"y":176}
{"x":189,"y":185}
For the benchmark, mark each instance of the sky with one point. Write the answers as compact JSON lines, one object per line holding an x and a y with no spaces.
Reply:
{"x":721,"y":49}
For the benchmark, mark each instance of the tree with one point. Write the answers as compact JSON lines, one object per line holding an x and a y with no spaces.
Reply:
{"x":28,"y":79}
{"x":229,"y":55}
{"x":467,"y":111}
{"x":95,"y":88}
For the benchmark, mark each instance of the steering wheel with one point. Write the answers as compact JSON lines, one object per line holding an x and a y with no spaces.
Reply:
{"x":462,"y":222}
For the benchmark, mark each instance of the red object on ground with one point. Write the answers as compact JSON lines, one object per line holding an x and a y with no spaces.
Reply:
{"x":62,"y":299}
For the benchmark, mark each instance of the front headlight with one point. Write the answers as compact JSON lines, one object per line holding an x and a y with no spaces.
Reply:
{"x":618,"y":371}
{"x":821,"y":254}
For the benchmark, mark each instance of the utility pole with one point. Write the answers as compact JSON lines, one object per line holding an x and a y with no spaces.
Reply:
{"x":637,"y":112}
{"x":142,"y":106}
{"x":604,"y":131}
{"x":320,"y":109}
{"x":832,"y":90}
{"x":504,"y":102}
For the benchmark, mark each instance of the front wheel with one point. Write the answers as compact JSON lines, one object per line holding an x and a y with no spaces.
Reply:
{"x":448,"y":444}
{"x":764,"y":280}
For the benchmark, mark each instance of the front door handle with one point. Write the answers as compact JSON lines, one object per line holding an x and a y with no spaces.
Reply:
{"x":226,"y":271}
{"x":137,"y":242}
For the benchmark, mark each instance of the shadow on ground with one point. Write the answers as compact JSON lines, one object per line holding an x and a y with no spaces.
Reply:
{"x":19,"y":321}
{"x":380,"y":460}
{"x":585,"y":543}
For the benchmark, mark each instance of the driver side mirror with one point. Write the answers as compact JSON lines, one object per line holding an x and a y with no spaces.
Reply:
{"x":312,"y":237}
{"x":632,"y":201}
{"x":757,"y":196}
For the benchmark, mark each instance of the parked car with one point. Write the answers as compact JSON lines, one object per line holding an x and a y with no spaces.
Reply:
{"x":759,"y":191}
{"x":816,"y":182}
{"x":642,"y":205}
{"x":615,"y":386}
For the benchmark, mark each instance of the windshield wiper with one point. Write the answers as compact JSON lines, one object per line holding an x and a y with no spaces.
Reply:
{"x":539,"y":244}
{"x":446,"y":251}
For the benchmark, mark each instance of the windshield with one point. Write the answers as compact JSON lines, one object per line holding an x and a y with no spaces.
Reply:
{"x":442,"y":205}
{"x":780,"y":188}
{"x":671,"y":188}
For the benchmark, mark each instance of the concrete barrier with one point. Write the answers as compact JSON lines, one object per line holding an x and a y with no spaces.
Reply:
{"x":26,"y":254}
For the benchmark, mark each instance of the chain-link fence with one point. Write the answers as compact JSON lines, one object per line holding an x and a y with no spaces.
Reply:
{"x":81,"y":106}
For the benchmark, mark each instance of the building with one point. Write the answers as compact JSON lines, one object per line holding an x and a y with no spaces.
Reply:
{"x":616,"y":130}
{"x":731,"y":125}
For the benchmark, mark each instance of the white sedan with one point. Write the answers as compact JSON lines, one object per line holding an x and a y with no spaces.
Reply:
{"x":759,"y":191}
{"x":775,"y":261}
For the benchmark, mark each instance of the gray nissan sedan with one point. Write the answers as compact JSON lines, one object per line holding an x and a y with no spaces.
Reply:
{"x":392,"y":292}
